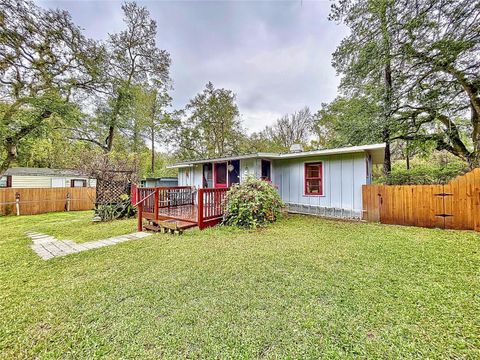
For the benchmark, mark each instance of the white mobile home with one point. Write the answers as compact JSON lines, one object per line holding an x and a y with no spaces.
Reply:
{"x":25,"y":177}
{"x":323,"y":182}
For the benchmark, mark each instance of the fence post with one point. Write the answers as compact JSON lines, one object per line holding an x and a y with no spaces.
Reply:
{"x":17,"y":203}
{"x":68,"y":201}
{"x":200,"y":209}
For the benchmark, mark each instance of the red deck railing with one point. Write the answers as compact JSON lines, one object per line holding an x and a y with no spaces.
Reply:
{"x":174,"y":202}
{"x":211,"y":206}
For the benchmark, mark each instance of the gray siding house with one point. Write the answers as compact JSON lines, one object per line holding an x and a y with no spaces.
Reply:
{"x":322,"y":182}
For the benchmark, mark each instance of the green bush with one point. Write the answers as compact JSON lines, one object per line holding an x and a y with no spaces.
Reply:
{"x":120,"y":210}
{"x":252,"y":203}
{"x":424,"y":172}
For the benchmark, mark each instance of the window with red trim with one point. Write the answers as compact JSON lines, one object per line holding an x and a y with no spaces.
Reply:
{"x":313,"y":179}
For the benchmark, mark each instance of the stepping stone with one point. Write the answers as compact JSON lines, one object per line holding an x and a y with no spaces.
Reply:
{"x":48,"y":247}
{"x":44,"y":240}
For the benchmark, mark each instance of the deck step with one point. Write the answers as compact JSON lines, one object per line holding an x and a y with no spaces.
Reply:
{"x":170,"y":226}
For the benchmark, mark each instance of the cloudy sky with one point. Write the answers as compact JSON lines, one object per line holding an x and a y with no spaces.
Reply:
{"x":275,"y":55}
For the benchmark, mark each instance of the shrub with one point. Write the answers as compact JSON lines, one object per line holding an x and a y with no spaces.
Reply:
{"x":252,"y":203}
{"x":120,"y":210}
{"x":423,"y":172}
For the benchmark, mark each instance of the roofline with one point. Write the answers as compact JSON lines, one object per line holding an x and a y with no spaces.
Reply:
{"x":325,"y":152}
{"x":225,"y":158}
{"x":32,"y":171}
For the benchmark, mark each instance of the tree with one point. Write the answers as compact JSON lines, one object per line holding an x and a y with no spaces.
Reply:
{"x":428,"y":54}
{"x":45,"y":63}
{"x":150,"y":120}
{"x":259,"y":142}
{"x":133,"y":60}
{"x":366,"y":57}
{"x":213,"y":127}
{"x":291,"y":129}
{"x":348,"y":122}
{"x":440,"y":95}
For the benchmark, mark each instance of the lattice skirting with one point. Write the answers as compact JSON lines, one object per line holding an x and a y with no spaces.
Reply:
{"x":330,"y":212}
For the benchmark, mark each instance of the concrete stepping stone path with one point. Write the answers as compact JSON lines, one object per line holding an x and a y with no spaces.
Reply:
{"x":48,"y":247}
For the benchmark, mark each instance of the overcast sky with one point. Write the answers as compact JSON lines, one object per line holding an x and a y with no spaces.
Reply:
{"x":275,"y":55}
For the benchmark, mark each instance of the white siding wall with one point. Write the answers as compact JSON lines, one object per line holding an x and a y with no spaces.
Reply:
{"x":24,"y":181}
{"x":343,"y":177}
{"x":31,"y":182}
{"x":190,"y":176}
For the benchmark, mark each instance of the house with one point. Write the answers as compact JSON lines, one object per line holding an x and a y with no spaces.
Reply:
{"x":324,"y":182}
{"x":159,"y":181}
{"x":25,"y":177}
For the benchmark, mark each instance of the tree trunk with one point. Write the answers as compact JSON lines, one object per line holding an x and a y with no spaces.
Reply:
{"x":474,"y":160}
{"x":387,"y":164}
{"x":11,"y":148}
{"x":152,"y":131}
{"x":109,"y":142}
{"x":475,"y":119}
{"x":407,"y":155}
{"x":113,"y":122}
{"x":153,"y":150}
{"x":11,"y":142}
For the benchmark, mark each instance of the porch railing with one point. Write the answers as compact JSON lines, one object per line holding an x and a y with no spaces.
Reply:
{"x":146,"y":199}
{"x":151,"y":199}
{"x":211,"y":203}
{"x":175,"y":196}
{"x":211,"y":206}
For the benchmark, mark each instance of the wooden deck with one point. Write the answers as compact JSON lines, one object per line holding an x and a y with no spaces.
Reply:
{"x":188,"y":213}
{"x":178,"y":203}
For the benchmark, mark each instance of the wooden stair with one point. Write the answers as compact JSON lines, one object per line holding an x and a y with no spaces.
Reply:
{"x":169,"y":226}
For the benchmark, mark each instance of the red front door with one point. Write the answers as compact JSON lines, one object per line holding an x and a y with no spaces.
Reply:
{"x":221,"y":175}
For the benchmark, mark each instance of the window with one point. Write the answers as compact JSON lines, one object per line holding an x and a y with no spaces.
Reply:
{"x":266,"y":170}
{"x":207,"y":176}
{"x":78,"y":183}
{"x":234,"y":172}
{"x":313,"y":179}
{"x":6,"y":181}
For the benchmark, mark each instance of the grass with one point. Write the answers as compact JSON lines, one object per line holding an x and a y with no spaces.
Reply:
{"x":76,"y":226}
{"x":302,"y":288}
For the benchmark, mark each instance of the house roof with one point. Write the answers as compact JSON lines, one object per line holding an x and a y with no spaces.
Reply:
{"x":375,"y":150}
{"x":28,"y":171}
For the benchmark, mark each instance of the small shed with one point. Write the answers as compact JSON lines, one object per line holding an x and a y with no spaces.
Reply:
{"x":159,"y":181}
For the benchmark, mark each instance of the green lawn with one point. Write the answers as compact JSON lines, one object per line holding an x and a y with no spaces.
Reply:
{"x":302,"y":288}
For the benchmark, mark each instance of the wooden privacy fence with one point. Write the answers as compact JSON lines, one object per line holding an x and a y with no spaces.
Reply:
{"x":43,"y":200}
{"x":455,"y":205}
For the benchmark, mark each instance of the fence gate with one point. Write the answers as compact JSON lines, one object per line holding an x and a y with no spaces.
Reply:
{"x":443,"y":207}
{"x":455,"y":205}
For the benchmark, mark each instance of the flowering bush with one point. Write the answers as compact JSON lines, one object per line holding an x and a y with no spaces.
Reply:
{"x":252,"y":203}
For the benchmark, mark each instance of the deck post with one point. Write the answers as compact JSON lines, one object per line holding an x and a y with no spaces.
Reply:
{"x":200,"y":209}
{"x":155,"y":205}
{"x":139,"y":212}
